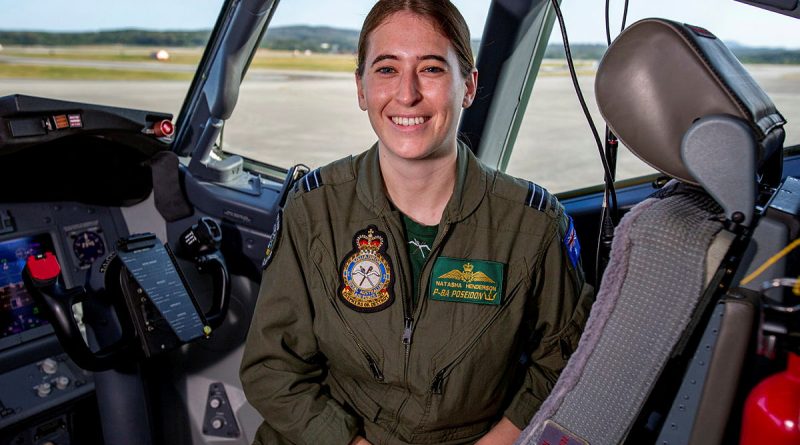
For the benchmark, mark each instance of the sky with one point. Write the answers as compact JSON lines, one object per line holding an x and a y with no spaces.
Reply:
{"x":729,"y":20}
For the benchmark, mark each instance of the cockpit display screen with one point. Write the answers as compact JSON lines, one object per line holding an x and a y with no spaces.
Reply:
{"x":18,"y":312}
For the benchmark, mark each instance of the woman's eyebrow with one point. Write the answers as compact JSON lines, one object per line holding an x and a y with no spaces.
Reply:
{"x":434,"y":57}
{"x":383,"y":57}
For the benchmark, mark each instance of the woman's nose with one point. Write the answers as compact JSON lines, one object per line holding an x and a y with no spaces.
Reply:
{"x":408,"y":91}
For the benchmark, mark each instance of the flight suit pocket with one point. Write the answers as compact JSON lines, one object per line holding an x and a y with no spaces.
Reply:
{"x":345,"y":341}
{"x":353,"y":394}
{"x":469,"y":385}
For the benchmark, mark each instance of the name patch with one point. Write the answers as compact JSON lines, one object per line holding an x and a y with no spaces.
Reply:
{"x":467,"y":281}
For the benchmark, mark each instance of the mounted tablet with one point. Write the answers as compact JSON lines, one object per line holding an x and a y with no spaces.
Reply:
{"x":163,"y":309}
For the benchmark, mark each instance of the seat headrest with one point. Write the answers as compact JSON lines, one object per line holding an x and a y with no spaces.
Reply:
{"x":659,"y":77}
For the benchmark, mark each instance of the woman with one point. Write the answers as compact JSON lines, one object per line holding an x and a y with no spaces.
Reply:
{"x":414,"y":295}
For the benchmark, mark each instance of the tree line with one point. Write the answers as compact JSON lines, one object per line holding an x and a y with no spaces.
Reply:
{"x":318,"y":39}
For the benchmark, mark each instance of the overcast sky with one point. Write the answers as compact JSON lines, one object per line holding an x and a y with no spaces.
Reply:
{"x":730,"y":20}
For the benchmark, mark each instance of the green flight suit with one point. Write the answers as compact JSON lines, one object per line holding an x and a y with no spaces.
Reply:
{"x":337,"y":348}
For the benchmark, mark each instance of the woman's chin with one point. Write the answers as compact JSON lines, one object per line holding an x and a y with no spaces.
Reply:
{"x":416,"y":152}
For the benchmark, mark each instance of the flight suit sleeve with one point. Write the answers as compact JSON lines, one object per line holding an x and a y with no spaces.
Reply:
{"x":561,"y":300}
{"x":281,"y":368}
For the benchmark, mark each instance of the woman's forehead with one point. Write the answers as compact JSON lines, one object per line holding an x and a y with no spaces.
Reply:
{"x":405,"y":30}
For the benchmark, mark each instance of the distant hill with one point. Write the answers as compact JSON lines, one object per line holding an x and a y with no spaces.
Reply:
{"x":118,"y":37}
{"x":319,"y":39}
{"x":314,"y":38}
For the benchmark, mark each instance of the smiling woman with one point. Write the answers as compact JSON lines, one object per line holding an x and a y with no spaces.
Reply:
{"x":413,"y":240}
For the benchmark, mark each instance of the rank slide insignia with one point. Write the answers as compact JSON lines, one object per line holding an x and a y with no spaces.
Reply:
{"x":367,"y":273}
{"x":273,"y":240}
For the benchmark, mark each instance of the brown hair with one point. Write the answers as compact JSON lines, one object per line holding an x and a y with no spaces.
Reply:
{"x":442,"y":13}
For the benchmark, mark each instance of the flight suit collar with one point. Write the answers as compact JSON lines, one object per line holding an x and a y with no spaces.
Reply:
{"x":471,"y":184}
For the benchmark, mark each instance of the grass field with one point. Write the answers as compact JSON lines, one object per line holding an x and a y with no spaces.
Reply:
{"x":21,"y":71}
{"x":264,"y":59}
{"x":101,"y":54}
{"x":279,"y":60}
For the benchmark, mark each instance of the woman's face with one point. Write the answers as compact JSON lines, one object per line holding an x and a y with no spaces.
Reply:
{"x":412,"y":88}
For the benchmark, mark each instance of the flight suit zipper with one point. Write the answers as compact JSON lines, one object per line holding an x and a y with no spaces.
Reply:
{"x":437,"y":385}
{"x":408,"y":319}
{"x":377,"y":374}
{"x":408,"y":305}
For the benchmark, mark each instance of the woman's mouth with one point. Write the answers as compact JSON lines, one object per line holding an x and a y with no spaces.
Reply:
{"x":409,"y":121}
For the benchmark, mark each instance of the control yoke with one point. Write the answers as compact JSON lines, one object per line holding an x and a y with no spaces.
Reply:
{"x":153,"y":302}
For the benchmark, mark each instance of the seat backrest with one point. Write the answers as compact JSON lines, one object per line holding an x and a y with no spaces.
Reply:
{"x":679,"y":100}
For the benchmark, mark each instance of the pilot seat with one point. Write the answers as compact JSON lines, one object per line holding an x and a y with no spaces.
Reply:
{"x":663,"y":349}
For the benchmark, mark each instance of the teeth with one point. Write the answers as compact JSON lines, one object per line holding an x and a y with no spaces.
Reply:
{"x":406,"y":121}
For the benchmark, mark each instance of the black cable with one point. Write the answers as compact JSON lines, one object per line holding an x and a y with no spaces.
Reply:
{"x":609,"y":213}
{"x":624,"y":16}
{"x":574,"y":76}
{"x":608,"y":21}
{"x":608,"y":25}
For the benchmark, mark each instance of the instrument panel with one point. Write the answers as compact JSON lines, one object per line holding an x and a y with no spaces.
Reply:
{"x":78,"y":235}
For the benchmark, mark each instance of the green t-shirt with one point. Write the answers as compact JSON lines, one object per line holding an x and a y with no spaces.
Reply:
{"x":419,"y":240}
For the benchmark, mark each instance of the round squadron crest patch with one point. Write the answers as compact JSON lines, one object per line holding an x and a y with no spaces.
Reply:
{"x":367,"y":273}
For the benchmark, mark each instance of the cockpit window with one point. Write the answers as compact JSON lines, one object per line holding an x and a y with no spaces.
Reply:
{"x":140,"y":54}
{"x":555,"y":147}
{"x":298,"y":101}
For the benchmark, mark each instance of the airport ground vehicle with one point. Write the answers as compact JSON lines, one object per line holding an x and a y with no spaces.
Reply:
{"x":93,"y":189}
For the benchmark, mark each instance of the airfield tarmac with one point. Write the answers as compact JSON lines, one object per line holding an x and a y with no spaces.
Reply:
{"x":284,"y":118}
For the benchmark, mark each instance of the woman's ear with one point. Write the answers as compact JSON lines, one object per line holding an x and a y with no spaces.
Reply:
{"x":471,"y":84}
{"x":362,"y":99}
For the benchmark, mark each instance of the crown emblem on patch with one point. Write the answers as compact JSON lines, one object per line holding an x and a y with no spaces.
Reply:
{"x":367,"y":273}
{"x":369,"y":242}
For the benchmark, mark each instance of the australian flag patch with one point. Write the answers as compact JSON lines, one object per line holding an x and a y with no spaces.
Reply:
{"x":572,"y":244}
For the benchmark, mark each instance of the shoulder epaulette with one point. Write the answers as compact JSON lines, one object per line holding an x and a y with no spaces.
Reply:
{"x":539,"y":198}
{"x":311,"y":180}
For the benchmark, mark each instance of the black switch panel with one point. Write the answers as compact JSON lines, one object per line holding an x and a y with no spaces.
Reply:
{"x":219,"y":419}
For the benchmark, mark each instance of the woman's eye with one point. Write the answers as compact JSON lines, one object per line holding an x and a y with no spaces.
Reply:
{"x":385,"y":70}
{"x":433,"y":69}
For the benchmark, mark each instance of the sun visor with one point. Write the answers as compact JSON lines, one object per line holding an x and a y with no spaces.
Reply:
{"x":659,"y":76}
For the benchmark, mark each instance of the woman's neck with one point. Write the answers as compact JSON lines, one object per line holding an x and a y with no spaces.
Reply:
{"x":420,"y":188}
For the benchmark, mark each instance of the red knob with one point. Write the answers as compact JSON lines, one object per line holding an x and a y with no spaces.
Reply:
{"x":164,"y":128}
{"x":43,"y":267}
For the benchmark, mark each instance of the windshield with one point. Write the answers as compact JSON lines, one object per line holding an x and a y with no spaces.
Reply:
{"x":554,"y":144}
{"x":140,"y":54}
{"x":298,"y":102}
